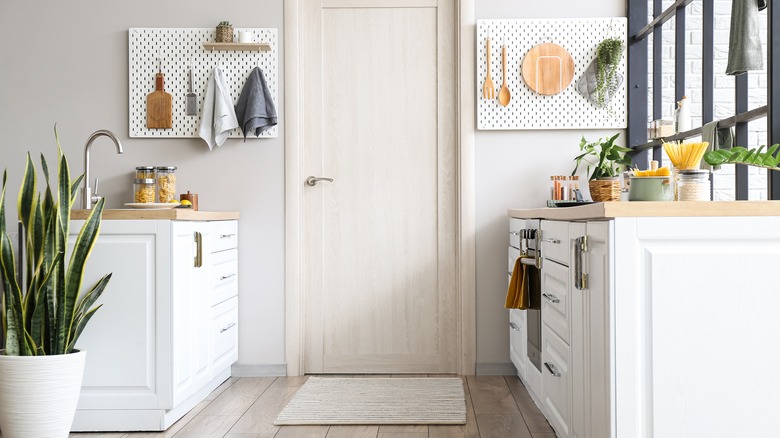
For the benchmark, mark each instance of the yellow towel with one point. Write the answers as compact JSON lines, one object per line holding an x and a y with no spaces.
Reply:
{"x":517,"y":296}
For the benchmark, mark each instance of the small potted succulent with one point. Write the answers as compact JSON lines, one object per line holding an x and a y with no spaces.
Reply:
{"x":224,"y":32}
{"x":606,"y":159}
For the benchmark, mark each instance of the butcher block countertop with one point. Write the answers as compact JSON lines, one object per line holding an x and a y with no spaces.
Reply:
{"x":608,"y":210}
{"x":183,"y":214}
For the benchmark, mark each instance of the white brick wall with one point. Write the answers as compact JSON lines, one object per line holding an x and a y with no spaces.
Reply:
{"x":724,"y":86}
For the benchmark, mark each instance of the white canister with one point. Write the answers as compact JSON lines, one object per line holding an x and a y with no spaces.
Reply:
{"x":683,"y":115}
{"x":245,"y":36}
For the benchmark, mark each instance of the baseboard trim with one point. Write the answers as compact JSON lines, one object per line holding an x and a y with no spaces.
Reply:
{"x":496,"y":369}
{"x":258,"y":370}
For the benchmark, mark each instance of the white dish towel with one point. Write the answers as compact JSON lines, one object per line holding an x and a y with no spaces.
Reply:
{"x":219,"y":116}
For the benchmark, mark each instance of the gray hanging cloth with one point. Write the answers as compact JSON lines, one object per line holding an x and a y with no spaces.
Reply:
{"x":255,"y":110}
{"x":744,"y":40}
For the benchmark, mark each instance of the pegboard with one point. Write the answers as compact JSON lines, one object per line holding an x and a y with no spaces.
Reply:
{"x":179,"y":47}
{"x":529,"y":110}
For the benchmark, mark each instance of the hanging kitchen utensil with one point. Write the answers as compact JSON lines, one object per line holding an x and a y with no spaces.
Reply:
{"x":191,"y":103}
{"x":548,"y":69}
{"x":159,"y":105}
{"x":489,"y":89}
{"x":504,"y":96}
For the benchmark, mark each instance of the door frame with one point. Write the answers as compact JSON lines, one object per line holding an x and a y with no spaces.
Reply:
{"x":294,"y":187}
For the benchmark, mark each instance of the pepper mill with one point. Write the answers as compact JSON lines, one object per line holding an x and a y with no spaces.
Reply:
{"x":192,"y":197}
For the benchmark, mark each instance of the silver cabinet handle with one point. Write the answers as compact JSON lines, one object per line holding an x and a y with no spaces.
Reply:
{"x":551,"y":368}
{"x":553,"y":241}
{"x":227,"y":327}
{"x":225,"y":236}
{"x":312,"y":180}
{"x":551,"y":298}
{"x":514,"y":233}
{"x":225,"y":277}
{"x":199,"y":251}
{"x":514,"y":326}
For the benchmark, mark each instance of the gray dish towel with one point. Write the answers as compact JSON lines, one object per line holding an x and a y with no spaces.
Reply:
{"x":744,"y":40}
{"x":718,"y":138}
{"x":255,"y":109}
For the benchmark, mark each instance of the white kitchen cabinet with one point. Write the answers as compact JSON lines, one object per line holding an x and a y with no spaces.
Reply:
{"x":153,"y":348}
{"x":518,"y":329}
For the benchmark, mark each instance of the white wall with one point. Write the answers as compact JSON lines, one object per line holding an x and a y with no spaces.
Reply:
{"x":513,"y":170}
{"x":66,"y":63}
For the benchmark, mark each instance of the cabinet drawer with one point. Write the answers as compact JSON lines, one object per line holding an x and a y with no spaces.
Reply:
{"x":514,"y":253}
{"x":555,"y":241}
{"x":224,"y":275}
{"x":224,"y":235}
{"x":556,"y":392}
{"x":224,"y":331}
{"x":555,"y":298}
{"x":518,"y":339}
{"x":515,"y":225}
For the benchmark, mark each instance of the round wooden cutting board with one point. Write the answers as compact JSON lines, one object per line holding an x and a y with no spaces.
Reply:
{"x":547,"y":69}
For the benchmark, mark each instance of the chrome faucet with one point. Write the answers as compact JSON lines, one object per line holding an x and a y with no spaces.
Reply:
{"x":88,"y":198}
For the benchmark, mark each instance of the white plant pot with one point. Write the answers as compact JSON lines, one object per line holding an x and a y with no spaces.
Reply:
{"x":39,"y":394}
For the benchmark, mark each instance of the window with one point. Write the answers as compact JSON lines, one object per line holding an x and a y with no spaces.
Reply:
{"x":680,"y":48}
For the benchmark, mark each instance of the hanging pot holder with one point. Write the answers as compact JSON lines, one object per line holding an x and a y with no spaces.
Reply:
{"x":586,"y":84}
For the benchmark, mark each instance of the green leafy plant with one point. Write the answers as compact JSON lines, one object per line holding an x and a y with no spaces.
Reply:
{"x":224,"y":24}
{"x":608,"y":54}
{"x":41,"y":312}
{"x":740,"y":155}
{"x":603,"y":156}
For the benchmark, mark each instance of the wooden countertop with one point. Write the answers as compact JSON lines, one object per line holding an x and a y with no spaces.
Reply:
{"x":182,"y":214}
{"x":607,"y":210}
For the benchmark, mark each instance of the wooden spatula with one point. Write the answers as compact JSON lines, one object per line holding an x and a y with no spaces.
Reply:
{"x":488,"y":90}
{"x":159,"y":106}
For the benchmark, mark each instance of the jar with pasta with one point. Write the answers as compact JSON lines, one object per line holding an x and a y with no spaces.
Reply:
{"x":144,"y":172}
{"x":144,"y":190}
{"x":166,"y":183}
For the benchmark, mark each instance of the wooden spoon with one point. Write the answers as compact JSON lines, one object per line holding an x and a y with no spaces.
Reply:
{"x":504,"y":96}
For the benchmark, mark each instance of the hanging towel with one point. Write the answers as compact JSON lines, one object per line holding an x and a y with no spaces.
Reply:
{"x":524,"y":287}
{"x":718,"y":138}
{"x":218,"y":117}
{"x":744,"y":41}
{"x":255,"y":109}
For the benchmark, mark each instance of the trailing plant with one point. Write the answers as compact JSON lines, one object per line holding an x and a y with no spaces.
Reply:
{"x":41,"y":312}
{"x":608,"y":54}
{"x":604,"y":156}
{"x":740,"y":155}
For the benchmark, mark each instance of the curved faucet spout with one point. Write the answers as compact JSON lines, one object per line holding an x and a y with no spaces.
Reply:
{"x":87,"y":197}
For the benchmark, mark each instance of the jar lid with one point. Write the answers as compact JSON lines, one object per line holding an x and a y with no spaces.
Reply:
{"x":166,"y":167}
{"x":144,"y":168}
{"x":694,"y":172}
{"x":144,"y":181}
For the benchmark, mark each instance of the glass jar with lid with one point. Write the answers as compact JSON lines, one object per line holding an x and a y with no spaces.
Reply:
{"x":693,"y":185}
{"x":144,"y":190}
{"x":144,"y":172}
{"x":166,"y":183}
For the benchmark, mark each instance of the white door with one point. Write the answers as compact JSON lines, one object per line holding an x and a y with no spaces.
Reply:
{"x":380,"y":247}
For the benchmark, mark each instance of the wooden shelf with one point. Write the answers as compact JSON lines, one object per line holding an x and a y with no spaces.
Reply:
{"x":265,"y":47}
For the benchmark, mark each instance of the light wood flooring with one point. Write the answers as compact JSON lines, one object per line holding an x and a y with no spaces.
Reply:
{"x":497,"y":406}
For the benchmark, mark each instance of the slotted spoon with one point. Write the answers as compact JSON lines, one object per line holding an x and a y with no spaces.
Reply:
{"x":489,"y":89}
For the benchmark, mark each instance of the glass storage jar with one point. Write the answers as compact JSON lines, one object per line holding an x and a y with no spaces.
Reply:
{"x":144,"y":190}
{"x":166,"y":183}
{"x":693,"y":185}
{"x":144,"y":172}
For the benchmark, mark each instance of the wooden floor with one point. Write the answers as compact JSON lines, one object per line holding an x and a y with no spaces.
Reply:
{"x":497,"y":406}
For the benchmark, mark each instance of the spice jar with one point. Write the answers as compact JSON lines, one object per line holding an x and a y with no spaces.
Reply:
{"x":693,"y":185}
{"x":166,"y":183}
{"x":143,"y":190}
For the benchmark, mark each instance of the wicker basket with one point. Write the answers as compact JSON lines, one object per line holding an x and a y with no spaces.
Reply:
{"x":224,"y":34}
{"x":604,"y":190}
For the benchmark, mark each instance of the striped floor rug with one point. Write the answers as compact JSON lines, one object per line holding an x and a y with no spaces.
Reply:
{"x":325,"y":400}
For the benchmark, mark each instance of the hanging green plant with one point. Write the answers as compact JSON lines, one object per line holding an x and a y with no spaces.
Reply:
{"x":608,"y":54}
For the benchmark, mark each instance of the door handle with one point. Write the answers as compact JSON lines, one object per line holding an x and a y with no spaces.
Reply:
{"x":312,"y":180}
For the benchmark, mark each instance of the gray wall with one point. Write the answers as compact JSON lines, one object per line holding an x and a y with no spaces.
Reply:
{"x":66,"y":62}
{"x":512,"y":171}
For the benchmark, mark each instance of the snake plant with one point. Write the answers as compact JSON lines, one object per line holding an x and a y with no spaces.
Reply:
{"x":42,"y":312}
{"x":740,"y":155}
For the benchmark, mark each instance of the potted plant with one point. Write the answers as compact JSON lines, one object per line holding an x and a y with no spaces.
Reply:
{"x":606,"y":159}
{"x":42,"y":312}
{"x":608,"y":55}
{"x":224,"y":32}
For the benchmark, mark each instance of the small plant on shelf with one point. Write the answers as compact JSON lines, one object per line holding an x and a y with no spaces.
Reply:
{"x":224,"y":32}
{"x":608,"y":54}
{"x":606,"y":159}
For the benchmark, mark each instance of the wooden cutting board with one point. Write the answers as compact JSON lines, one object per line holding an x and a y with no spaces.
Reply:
{"x":159,"y":106}
{"x":548,"y":69}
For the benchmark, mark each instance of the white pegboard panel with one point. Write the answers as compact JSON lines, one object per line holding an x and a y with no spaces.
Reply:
{"x":180,"y":47}
{"x":529,"y":110}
